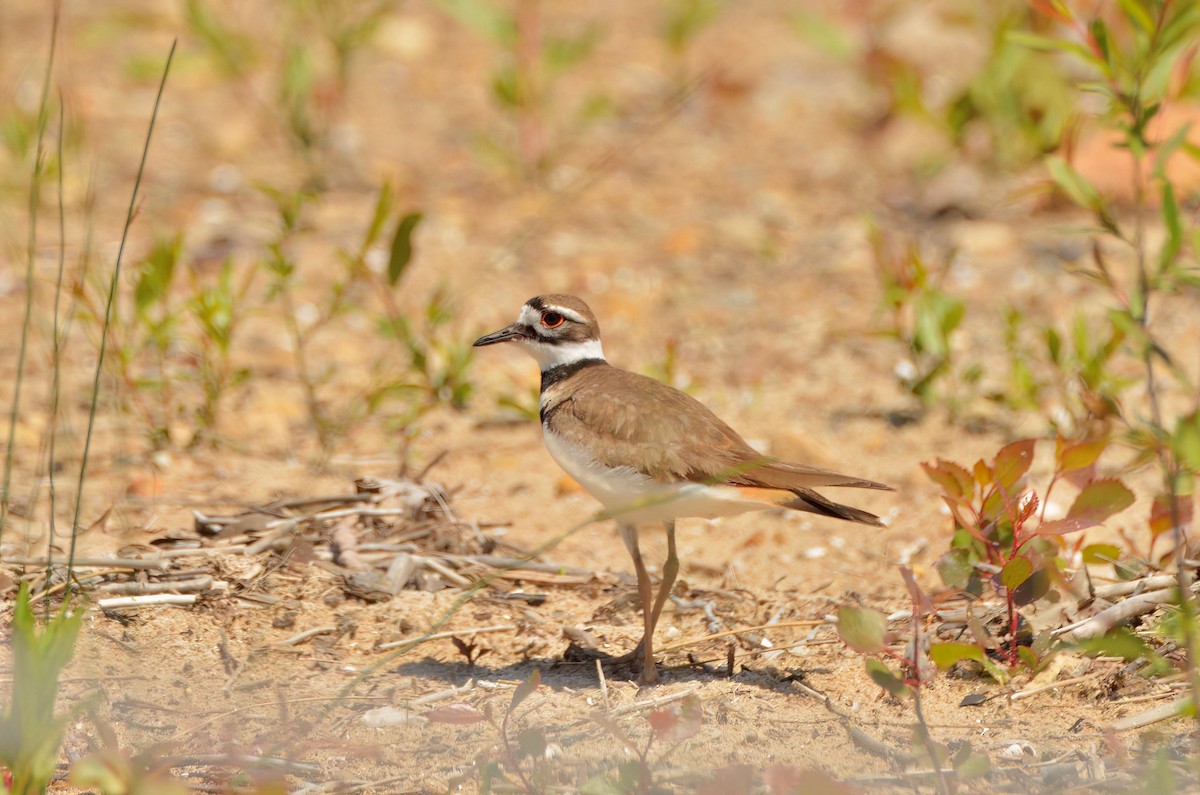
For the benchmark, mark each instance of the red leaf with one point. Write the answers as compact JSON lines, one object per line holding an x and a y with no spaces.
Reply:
{"x":1049,"y":9}
{"x":1160,"y":513}
{"x":459,"y":714}
{"x":954,"y":480}
{"x":1012,"y":462}
{"x":783,"y":780}
{"x":662,"y":720}
{"x":730,"y":780}
{"x":1099,"y":500}
{"x":678,"y":722}
{"x":918,"y":596}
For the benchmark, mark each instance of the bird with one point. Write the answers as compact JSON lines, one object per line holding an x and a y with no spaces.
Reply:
{"x":648,"y":452}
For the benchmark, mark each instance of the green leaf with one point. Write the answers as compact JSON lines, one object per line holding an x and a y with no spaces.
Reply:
{"x":1173,"y":225}
{"x":486,"y":18}
{"x":156,"y":275}
{"x":1016,"y":571}
{"x":601,"y":785}
{"x":402,"y":249}
{"x":1100,"y":553}
{"x":1071,"y":456}
{"x":559,"y":54}
{"x":823,"y":33}
{"x":1137,"y":14}
{"x":1099,"y":500}
{"x":944,"y":655}
{"x":1079,"y":190}
{"x":1012,"y":462}
{"x":30,"y":731}
{"x":1185,"y":441}
{"x":883,"y":676}
{"x":1035,"y":586}
{"x":955,"y":567}
{"x":1052,"y":44}
{"x":1028,"y":657}
{"x":862,"y":629}
{"x":971,"y":765}
{"x":383,"y":208}
{"x":524,"y":690}
{"x":532,"y":742}
{"x":1122,"y":643}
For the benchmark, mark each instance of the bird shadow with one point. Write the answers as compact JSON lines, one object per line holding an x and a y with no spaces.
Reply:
{"x":576,"y":669}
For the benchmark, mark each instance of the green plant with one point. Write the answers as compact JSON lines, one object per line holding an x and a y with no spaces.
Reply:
{"x":522,"y":84}
{"x":670,"y":726}
{"x":529,"y":744}
{"x":865,"y":631}
{"x":312,"y":52}
{"x":30,"y":731}
{"x":218,"y":308}
{"x":683,"y":21}
{"x":1020,"y":100}
{"x":1134,"y":60}
{"x":150,"y":331}
{"x":1072,"y":378}
{"x":923,"y":316}
{"x":997,"y":524}
{"x":35,"y":188}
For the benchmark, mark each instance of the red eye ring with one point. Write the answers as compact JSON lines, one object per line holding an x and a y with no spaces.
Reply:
{"x":552,"y":320}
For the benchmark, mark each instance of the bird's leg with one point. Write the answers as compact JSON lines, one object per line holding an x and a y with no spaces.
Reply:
{"x":649,"y":674}
{"x":669,"y":571}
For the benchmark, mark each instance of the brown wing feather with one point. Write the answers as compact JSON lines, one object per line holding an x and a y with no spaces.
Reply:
{"x":685,"y":441}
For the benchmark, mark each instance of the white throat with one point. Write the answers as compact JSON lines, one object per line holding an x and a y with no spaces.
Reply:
{"x":550,"y":356}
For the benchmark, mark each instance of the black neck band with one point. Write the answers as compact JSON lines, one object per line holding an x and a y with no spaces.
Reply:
{"x":562,"y":372}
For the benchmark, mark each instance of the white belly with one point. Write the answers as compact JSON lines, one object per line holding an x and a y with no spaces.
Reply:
{"x":631,"y":497}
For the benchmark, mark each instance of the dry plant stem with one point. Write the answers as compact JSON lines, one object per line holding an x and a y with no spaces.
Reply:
{"x":102,"y":563}
{"x":1114,"y":616}
{"x":306,"y":635}
{"x":1033,"y":691}
{"x":603,"y":686}
{"x":455,"y":633}
{"x":777,"y":625}
{"x":300,"y":351}
{"x":194,"y":585}
{"x":31,"y":256}
{"x":652,"y":703}
{"x":112,"y":293}
{"x":156,"y":600}
{"x":57,"y":340}
{"x":441,"y":695}
{"x":1160,"y":713}
{"x":926,"y":737}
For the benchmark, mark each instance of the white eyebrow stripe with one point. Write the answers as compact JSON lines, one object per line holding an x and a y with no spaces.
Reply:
{"x":569,"y":314}
{"x":533,"y":317}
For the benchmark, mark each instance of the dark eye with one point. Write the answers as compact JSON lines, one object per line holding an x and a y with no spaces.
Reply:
{"x":552,"y":320}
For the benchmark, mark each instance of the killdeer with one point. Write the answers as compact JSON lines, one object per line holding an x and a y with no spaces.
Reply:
{"x":648,"y":452}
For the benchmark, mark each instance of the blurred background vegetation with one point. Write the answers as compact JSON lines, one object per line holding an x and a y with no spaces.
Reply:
{"x":974,"y":217}
{"x":338,"y":189}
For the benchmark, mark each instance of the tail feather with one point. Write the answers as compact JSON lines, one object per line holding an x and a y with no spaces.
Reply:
{"x":810,"y":501}
{"x":793,"y":477}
